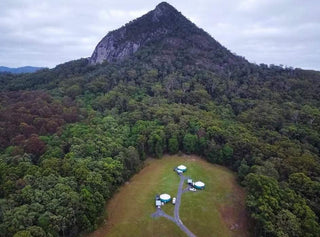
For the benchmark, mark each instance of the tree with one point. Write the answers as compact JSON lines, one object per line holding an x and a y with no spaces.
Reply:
{"x":278,"y":211}
{"x":173,"y":145}
{"x":287,"y":224}
{"x":189,"y":143}
{"x":156,"y":143}
{"x":227,"y":152}
{"x":214,"y":153}
{"x":36,"y":231}
{"x":73,"y":91}
{"x":23,"y":233}
{"x":243,"y":170}
{"x":201,"y":145}
{"x":267,"y":168}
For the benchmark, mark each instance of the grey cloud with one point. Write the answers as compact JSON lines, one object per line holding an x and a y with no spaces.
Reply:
{"x":46,"y":33}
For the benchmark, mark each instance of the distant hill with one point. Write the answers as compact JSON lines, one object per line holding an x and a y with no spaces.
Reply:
{"x":18,"y":70}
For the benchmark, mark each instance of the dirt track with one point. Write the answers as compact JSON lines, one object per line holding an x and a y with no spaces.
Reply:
{"x":176,"y":219}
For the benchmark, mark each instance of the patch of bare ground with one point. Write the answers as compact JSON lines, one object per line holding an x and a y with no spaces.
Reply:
{"x":235,"y":215}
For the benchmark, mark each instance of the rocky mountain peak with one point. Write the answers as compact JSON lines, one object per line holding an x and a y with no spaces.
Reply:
{"x":163,"y":9}
{"x":165,"y":6}
{"x":121,"y":43}
{"x":165,"y":28}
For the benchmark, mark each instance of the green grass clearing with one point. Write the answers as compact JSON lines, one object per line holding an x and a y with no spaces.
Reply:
{"x":218,"y":210}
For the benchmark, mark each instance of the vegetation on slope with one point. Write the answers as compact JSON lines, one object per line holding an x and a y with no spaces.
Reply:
{"x":183,"y":92}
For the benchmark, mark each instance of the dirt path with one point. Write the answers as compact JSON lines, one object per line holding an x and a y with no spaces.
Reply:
{"x":176,"y":219}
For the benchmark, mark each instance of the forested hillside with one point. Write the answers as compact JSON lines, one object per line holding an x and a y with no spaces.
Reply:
{"x":70,"y":136}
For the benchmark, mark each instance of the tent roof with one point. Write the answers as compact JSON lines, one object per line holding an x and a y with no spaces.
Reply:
{"x":199,"y":184}
{"x":165,"y":196}
{"x":182,"y":167}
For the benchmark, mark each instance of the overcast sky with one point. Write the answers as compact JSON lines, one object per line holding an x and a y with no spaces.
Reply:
{"x":50,"y":32}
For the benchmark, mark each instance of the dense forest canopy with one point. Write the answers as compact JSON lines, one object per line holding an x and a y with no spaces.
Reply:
{"x":70,"y":136}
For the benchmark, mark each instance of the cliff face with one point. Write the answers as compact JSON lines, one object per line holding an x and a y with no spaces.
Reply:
{"x":109,"y":49}
{"x":115,"y":47}
{"x":125,"y":41}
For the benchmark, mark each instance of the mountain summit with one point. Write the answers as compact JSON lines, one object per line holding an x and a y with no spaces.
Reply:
{"x":128,"y":39}
{"x":169,"y":29}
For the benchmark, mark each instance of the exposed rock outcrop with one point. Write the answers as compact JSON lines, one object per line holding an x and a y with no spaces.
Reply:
{"x":121,"y":43}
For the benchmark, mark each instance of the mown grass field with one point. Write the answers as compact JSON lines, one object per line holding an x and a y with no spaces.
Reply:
{"x":219,"y":210}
